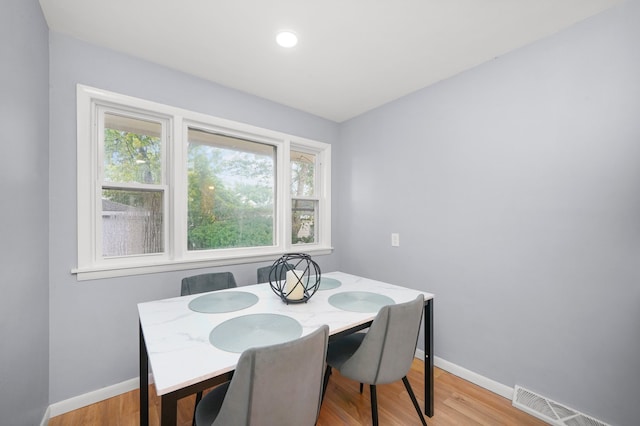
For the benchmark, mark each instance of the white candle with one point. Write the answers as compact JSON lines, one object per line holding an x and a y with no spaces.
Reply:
{"x":294,"y":289}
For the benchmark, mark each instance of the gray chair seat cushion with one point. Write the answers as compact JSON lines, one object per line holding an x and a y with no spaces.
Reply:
{"x":342,"y":349}
{"x":209,"y":406}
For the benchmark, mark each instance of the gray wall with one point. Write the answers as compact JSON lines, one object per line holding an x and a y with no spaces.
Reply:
{"x":94,"y":324}
{"x":515,"y":188}
{"x":24,"y":303}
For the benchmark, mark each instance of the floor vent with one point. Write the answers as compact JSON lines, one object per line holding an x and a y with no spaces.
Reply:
{"x":550,"y":411}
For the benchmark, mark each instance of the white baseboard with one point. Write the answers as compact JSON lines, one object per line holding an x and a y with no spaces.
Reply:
{"x":46,"y":417}
{"x":89,"y":398}
{"x":475,"y":378}
{"x":92,"y":397}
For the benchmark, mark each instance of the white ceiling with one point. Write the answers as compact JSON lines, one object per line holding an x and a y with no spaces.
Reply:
{"x":352,"y":55}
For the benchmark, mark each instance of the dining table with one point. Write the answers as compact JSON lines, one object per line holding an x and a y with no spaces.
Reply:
{"x":192,"y":343}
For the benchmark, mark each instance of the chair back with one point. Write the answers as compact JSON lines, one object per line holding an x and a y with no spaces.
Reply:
{"x":280,"y":272}
{"x":207,"y":282}
{"x":277,"y":385}
{"x":388,"y":349}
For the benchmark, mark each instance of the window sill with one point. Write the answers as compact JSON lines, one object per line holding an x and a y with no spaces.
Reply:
{"x":113,"y":271}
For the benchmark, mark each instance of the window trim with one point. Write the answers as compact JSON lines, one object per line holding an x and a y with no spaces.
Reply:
{"x":176,"y":255}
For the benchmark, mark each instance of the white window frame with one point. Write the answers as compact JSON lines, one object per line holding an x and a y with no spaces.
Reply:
{"x":98,"y":111}
{"x":322,"y":188}
{"x":92,"y":265}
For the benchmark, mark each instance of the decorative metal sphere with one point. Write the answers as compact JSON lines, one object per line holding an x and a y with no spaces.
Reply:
{"x":294,"y":277}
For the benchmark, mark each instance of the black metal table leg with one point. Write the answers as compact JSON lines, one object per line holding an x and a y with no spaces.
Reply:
{"x":169,"y":409}
{"x":144,"y":381}
{"x":428,"y":358}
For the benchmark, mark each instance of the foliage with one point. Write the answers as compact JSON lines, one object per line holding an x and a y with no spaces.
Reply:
{"x":131,"y":157}
{"x":230,"y":192}
{"x":230,"y":198}
{"x":256,"y":231}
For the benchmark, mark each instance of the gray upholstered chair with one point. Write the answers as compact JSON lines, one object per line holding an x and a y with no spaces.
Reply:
{"x":207,"y":282}
{"x":273,"y":385}
{"x":201,"y":284}
{"x":280,"y":272}
{"x":381,"y":355}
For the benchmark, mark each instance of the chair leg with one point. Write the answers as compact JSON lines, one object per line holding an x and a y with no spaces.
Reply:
{"x":327,"y":373}
{"x":198,"y":398}
{"x":413,"y":399}
{"x":361,"y":386}
{"x":374,"y":405}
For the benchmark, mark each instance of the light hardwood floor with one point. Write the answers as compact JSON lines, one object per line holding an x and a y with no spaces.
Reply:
{"x":457,"y":402}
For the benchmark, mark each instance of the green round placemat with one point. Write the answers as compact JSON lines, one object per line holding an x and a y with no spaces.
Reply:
{"x":223,"y":301}
{"x":359,"y":301}
{"x":248,"y":331}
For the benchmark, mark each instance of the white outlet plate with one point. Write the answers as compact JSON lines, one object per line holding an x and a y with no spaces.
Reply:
{"x":395,"y":240}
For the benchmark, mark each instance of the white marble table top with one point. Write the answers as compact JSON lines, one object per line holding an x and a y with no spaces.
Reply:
{"x":177,"y":338}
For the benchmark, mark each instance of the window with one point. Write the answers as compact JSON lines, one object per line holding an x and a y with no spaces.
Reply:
{"x":161,"y":188}
{"x":231,"y":192}
{"x":132,"y":183}
{"x":304,"y":203}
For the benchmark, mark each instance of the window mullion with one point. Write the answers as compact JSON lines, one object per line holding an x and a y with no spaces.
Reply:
{"x":97,"y":163}
{"x":284,"y":195}
{"x":178,"y":176}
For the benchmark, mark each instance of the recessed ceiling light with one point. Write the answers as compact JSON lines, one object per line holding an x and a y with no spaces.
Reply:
{"x":287,"y":39}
